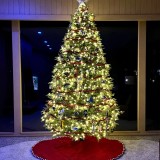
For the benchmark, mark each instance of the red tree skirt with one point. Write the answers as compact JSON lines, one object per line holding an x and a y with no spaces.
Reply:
{"x":65,"y":148}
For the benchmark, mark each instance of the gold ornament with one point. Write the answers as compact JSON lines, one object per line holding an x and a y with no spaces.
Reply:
{"x":50,"y":103}
{"x":74,"y":27}
{"x":62,"y":123}
{"x":91,"y":17}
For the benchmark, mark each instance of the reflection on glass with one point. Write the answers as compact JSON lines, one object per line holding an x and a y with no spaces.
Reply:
{"x":6,"y":80}
{"x":153,"y":76}
{"x":35,"y":83}
{"x":40,"y":44}
{"x":120,"y":41}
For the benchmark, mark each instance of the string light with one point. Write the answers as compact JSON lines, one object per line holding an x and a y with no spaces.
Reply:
{"x":81,"y":101}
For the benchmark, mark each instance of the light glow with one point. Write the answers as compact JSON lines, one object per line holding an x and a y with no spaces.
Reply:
{"x":81,"y":101}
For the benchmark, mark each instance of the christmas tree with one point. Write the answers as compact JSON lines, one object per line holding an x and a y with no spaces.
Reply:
{"x":81,"y":101}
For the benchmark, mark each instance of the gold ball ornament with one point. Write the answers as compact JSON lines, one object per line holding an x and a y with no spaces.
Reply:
{"x":74,"y":27}
{"x":50,"y":103}
{"x":91,"y":18}
{"x":98,"y":38}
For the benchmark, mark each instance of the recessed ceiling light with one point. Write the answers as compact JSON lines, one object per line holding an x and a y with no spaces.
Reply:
{"x":50,"y":48}
{"x":45,"y":41}
{"x":39,"y":32}
{"x":48,"y":45}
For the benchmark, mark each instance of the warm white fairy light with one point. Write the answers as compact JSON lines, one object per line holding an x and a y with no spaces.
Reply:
{"x":81,"y":101}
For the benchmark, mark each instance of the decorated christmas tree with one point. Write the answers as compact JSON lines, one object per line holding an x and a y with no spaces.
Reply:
{"x":81,"y":101}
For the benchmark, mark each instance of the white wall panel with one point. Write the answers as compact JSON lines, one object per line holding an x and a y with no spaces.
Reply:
{"x":22,"y":8}
{"x":106,"y":6}
{"x":157,"y":6}
{"x":32,"y":6}
{"x":53,"y":7}
{"x":26,"y":7}
{"x":75,"y":4}
{"x":117,"y":7}
{"x":90,"y":5}
{"x":64,"y":8}
{"x":70,"y":7}
{"x":3,"y":9}
{"x":133,"y":7}
{"x":138,"y":7}
{"x":111,"y":6}
{"x":122,"y":6}
{"x":95,"y":6}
